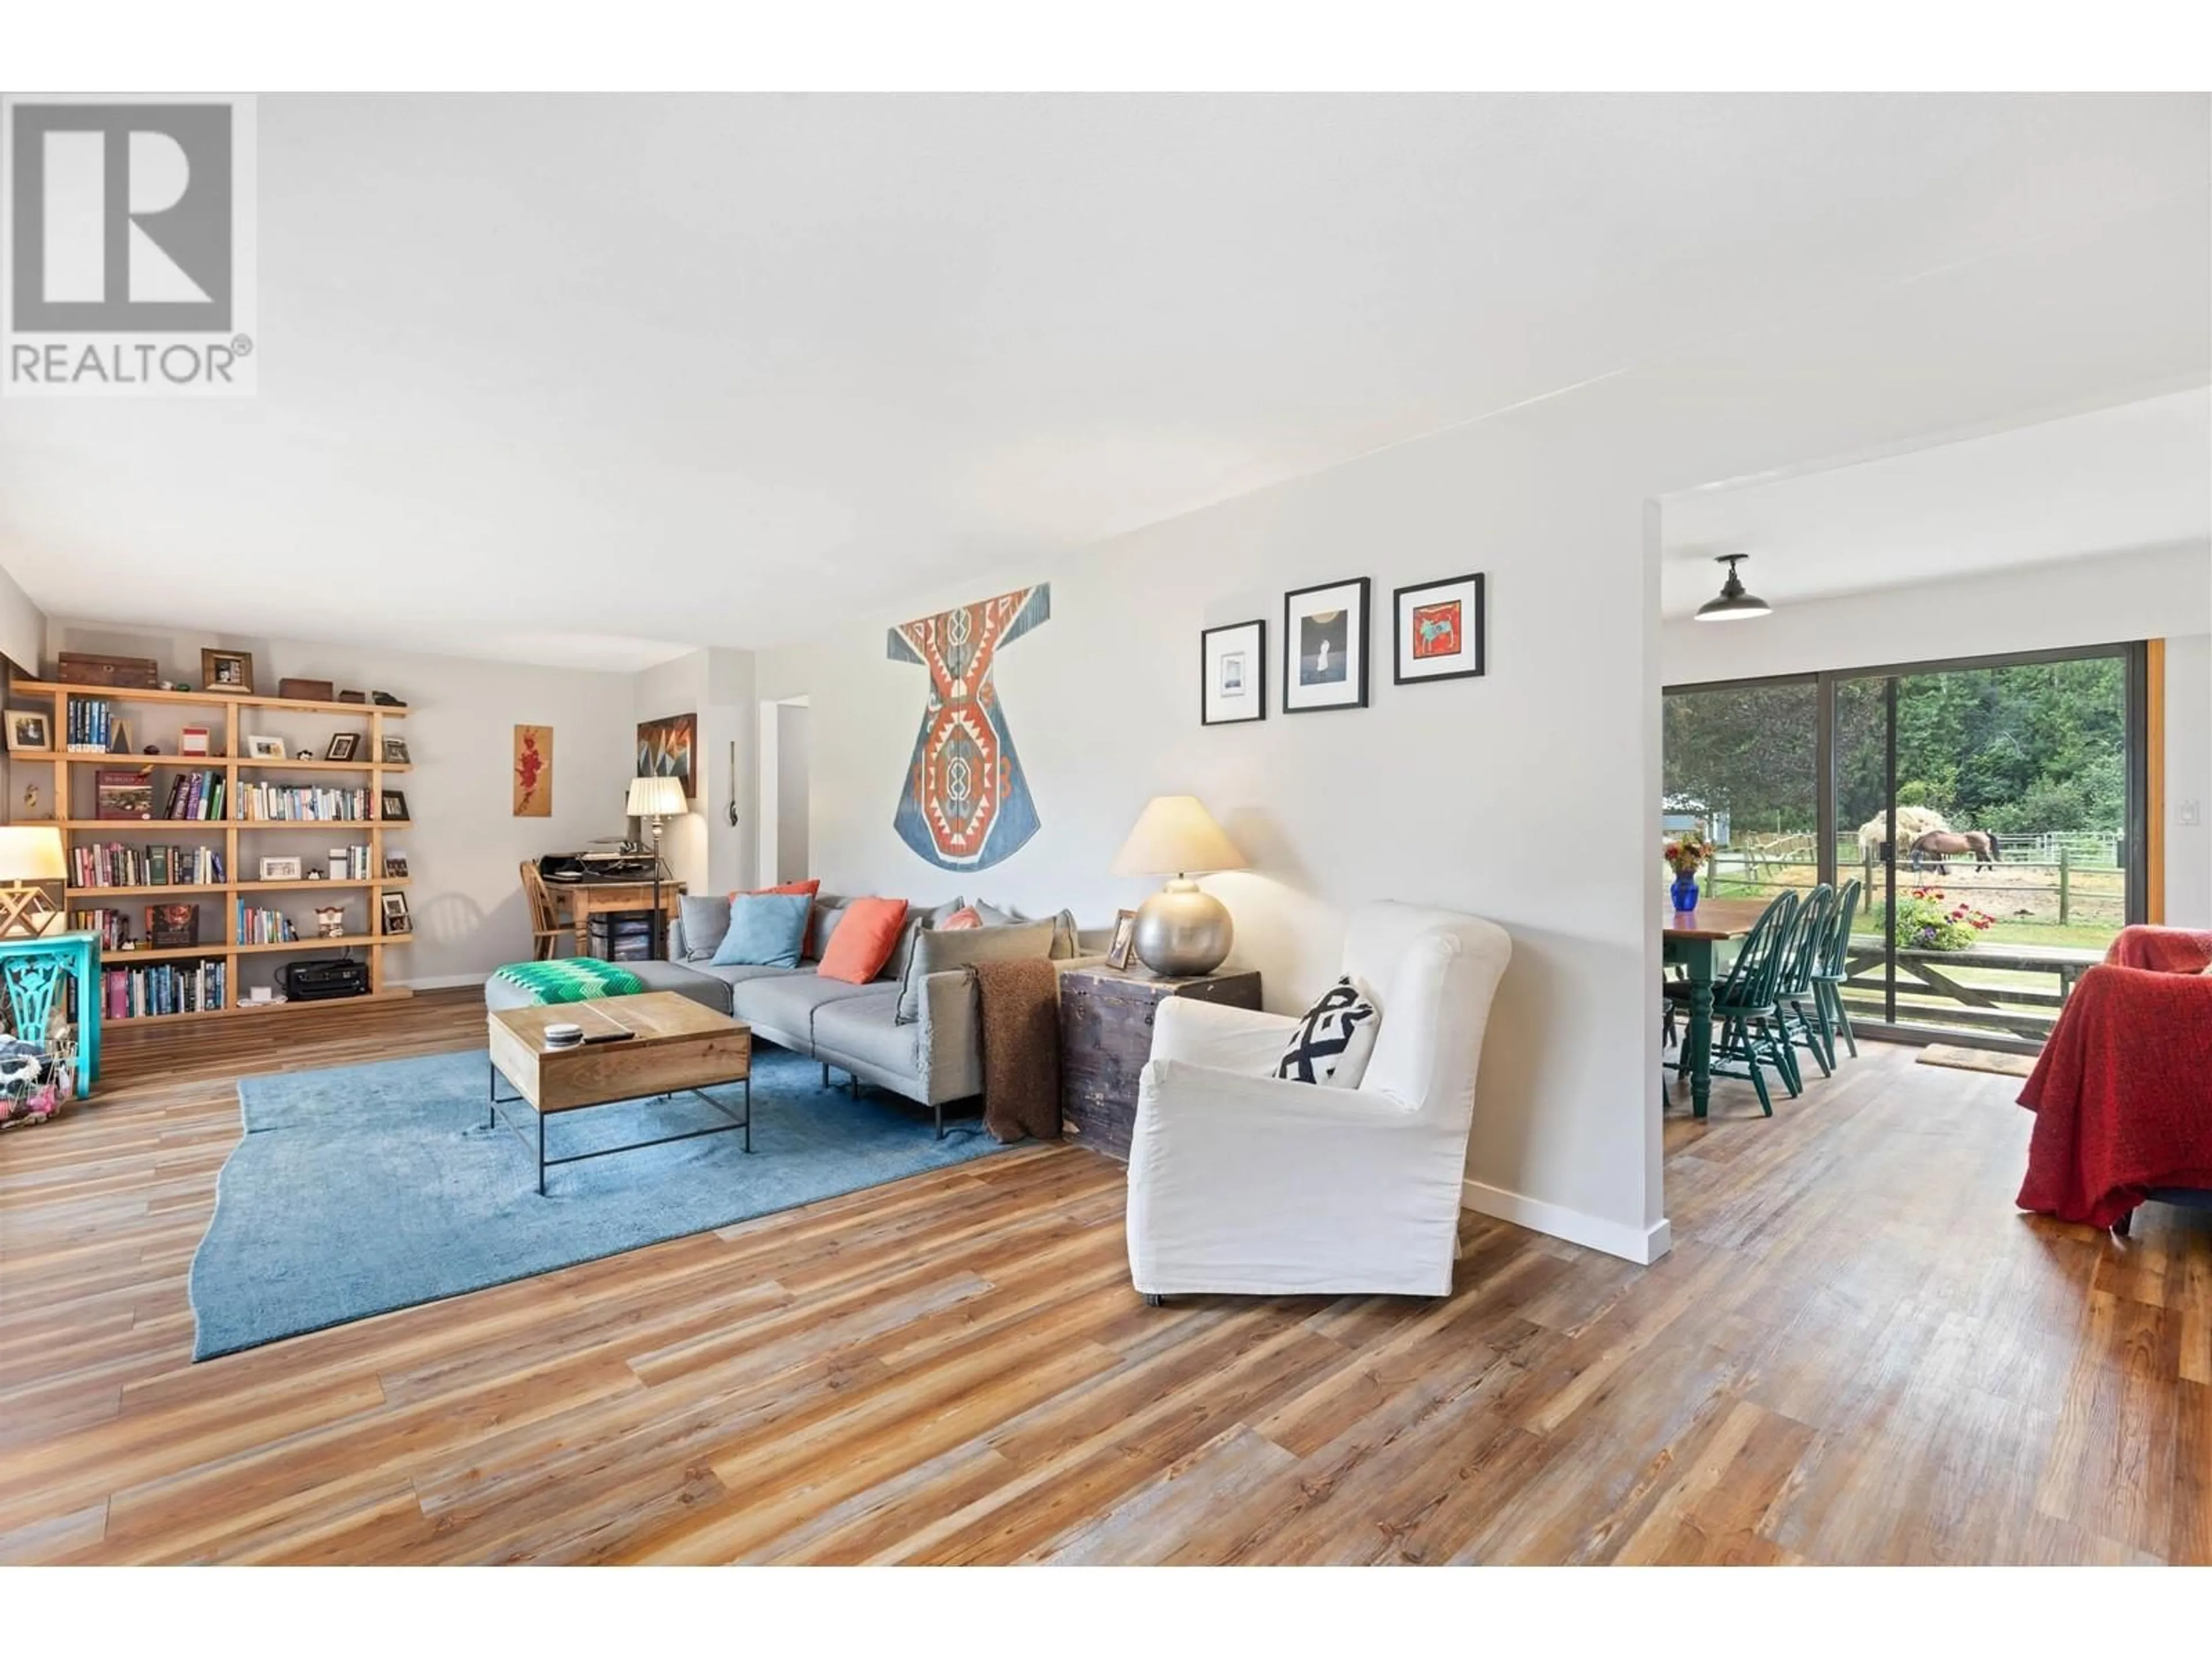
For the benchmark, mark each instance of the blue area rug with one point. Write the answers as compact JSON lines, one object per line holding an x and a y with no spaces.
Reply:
{"x":365,"y":1189}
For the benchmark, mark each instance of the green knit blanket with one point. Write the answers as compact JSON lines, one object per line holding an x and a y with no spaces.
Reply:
{"x":572,"y":979}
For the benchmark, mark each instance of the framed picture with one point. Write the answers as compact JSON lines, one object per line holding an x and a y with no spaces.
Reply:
{"x":280,"y":870}
{"x":1233,"y":670}
{"x":396,"y":918}
{"x":533,"y":772}
{"x":265,"y":748}
{"x":395,"y":866}
{"x":395,"y":752}
{"x":665,"y":748}
{"x":1437,"y":628}
{"x":27,"y":730}
{"x":227,"y":670}
{"x":1125,"y":939}
{"x":192,"y":740}
{"x":343,"y":747}
{"x":1325,"y":647}
{"x":392,"y":806}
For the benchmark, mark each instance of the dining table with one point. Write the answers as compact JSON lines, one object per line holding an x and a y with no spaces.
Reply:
{"x":1692,"y":940}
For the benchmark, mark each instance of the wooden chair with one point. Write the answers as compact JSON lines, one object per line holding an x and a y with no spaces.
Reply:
{"x":546,"y":932}
{"x":1747,"y":1020}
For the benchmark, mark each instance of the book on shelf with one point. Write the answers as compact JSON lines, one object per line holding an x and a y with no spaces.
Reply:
{"x":89,"y":725}
{"x":162,"y":987}
{"x":119,"y":864}
{"x":113,"y":927}
{"x":264,"y":927}
{"x":294,"y":803}
{"x":123,"y":793}
{"x":195,"y":796}
{"x":171,"y":926}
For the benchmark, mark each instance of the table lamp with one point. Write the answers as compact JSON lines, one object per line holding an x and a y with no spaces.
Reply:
{"x":1181,"y":930}
{"x":655,"y":800}
{"x":30,"y":860}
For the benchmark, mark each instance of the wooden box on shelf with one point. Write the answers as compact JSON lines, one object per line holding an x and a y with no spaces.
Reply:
{"x":1106,"y":1035}
{"x":81,"y":668}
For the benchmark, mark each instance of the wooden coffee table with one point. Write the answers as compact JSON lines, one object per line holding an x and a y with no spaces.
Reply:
{"x":673,"y":1044}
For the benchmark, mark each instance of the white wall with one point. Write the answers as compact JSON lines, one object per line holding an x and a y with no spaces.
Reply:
{"x":792,"y":856}
{"x":2188,"y":780}
{"x":2163,"y":594}
{"x":22,"y":624}
{"x":464,"y":844}
{"x":704,"y":849}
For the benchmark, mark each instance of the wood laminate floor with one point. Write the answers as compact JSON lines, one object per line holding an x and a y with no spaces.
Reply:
{"x":1857,"y":1352}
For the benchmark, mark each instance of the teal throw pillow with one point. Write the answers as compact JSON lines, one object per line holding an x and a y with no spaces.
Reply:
{"x":767,"y":930}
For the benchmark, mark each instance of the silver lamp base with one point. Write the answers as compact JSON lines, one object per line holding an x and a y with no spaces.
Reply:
{"x":1183,"y":931}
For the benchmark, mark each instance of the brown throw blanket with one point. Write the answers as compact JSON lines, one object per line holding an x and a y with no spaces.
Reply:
{"x":1018,"y":1005}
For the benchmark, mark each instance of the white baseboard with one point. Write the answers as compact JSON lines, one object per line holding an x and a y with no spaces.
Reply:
{"x":1642,"y":1245}
{"x":444,"y":982}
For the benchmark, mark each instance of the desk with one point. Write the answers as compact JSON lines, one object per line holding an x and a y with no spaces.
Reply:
{"x":34,"y":969}
{"x":1692,"y":938}
{"x":585,"y":899}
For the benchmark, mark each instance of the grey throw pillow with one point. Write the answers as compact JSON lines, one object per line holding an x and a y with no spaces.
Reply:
{"x":705,"y":919}
{"x":935,"y":952}
{"x":992,"y":916}
{"x":1064,"y":942}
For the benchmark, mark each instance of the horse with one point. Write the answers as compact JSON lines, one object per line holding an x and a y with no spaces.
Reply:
{"x":1937,"y":844}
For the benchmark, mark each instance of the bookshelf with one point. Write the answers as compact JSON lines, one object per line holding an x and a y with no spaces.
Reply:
{"x":230,"y":835}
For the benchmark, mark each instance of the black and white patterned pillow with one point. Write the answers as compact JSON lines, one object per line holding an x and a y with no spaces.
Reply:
{"x":1334,"y":1040}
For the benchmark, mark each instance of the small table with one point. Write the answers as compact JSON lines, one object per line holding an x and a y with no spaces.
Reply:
{"x":1689,"y":937}
{"x":674,"y":1044}
{"x":33,"y":969}
{"x":589,"y":897}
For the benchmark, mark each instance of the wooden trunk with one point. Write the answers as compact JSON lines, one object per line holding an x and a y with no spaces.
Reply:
{"x":1106,"y":1036}
{"x":79,"y":668}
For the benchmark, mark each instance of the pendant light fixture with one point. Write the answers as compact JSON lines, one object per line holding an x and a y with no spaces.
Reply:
{"x":1734,"y":604}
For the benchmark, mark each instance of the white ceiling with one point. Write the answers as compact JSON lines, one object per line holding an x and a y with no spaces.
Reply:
{"x":2134,"y":476}
{"x":591,"y":379}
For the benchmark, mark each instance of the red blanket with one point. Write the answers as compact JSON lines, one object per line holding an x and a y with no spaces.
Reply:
{"x":2161,"y":949}
{"x":2123,"y":1095}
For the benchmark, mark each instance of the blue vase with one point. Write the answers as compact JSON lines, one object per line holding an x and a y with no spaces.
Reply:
{"x":1683,"y":892}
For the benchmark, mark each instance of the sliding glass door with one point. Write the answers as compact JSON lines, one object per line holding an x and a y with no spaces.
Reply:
{"x":1990,"y":809}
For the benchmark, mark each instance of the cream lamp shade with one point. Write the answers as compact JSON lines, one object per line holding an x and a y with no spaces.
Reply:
{"x":1176,"y":836}
{"x":1180,"y":932}
{"x":31,"y":852}
{"x":657,"y":798}
{"x":30,"y":856}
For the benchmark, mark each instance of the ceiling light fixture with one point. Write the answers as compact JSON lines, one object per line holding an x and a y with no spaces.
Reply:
{"x":1734,"y":604}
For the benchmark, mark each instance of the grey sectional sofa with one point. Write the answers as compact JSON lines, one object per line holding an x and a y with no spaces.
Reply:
{"x":933,"y":1060}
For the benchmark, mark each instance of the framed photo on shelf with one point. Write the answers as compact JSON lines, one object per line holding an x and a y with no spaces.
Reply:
{"x":1325,"y":647}
{"x":395,"y":866}
{"x":396,"y":918}
{"x":260,"y":748}
{"x":193,"y":741}
{"x":227,"y":670}
{"x":1125,"y":939}
{"x":1233,"y":670}
{"x":392,"y":805}
{"x":395,"y":752}
{"x":1437,"y":630}
{"x":28,"y":729}
{"x":343,"y":747}
{"x":276,"y":869}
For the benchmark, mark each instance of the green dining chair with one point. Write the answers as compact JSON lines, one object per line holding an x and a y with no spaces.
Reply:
{"x":1834,"y":968}
{"x":1808,"y":950}
{"x":1747,"y":1019}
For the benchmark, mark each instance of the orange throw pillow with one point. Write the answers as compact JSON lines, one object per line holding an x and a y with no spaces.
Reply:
{"x":864,"y":940}
{"x":965,"y":917}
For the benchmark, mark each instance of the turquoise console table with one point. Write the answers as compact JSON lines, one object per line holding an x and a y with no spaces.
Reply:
{"x":33,"y":969}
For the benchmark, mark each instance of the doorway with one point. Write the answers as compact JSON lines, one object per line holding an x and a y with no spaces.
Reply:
{"x":785,"y":828}
{"x":1992,"y":810}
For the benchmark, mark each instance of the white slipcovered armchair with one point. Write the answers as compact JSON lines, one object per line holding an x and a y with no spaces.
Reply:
{"x":1241,"y":1181}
